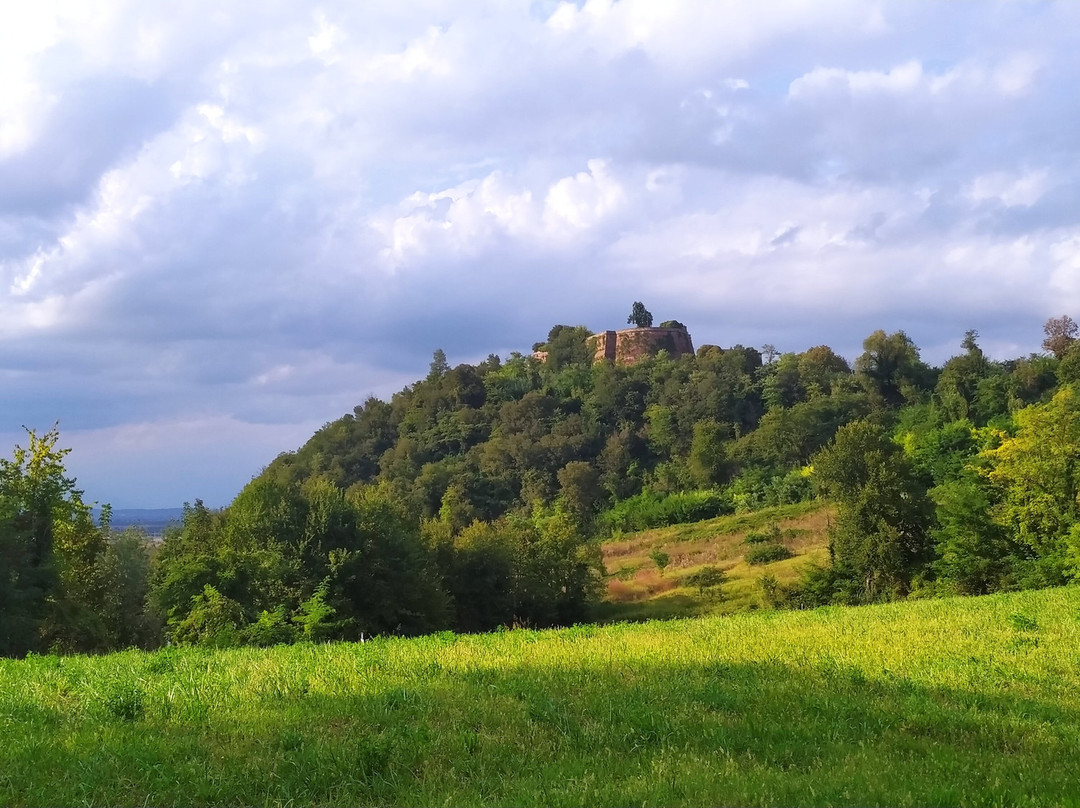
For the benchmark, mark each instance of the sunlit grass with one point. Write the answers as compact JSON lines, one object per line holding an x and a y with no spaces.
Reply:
{"x":637,"y":590}
{"x":960,"y":701}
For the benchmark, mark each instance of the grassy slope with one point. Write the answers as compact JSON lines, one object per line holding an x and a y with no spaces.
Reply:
{"x":637,"y":590}
{"x":963,"y":701}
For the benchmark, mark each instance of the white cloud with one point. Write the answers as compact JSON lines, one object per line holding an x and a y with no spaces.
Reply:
{"x":1010,"y":189}
{"x":578,"y":203}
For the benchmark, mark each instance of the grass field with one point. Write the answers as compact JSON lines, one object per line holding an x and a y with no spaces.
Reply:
{"x":638,"y":590}
{"x":946,"y":702}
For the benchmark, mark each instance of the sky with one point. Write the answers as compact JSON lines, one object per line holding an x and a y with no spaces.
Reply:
{"x":224,"y":223}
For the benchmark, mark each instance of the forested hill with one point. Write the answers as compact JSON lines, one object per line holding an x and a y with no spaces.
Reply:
{"x":487,"y":439}
{"x":478,"y":496}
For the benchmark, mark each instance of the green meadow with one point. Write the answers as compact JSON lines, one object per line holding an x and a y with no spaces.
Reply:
{"x":968,"y":701}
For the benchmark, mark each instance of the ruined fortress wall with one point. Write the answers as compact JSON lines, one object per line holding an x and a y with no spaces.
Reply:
{"x":631,"y":345}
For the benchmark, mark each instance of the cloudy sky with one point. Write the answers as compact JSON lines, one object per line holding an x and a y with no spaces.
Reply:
{"x":223,"y":224}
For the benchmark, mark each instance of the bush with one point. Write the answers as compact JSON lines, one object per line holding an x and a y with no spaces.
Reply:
{"x":270,"y":628}
{"x":766,"y":553}
{"x":649,"y":509}
{"x":706,"y":577}
{"x":660,"y":558}
{"x":771,"y":534}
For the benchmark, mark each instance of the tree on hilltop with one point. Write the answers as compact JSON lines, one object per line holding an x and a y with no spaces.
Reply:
{"x":640,"y":316}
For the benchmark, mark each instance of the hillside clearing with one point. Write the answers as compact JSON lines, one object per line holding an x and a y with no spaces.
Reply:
{"x":636,"y":589}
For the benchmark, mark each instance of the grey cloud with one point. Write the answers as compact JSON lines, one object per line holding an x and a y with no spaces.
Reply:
{"x":93,"y":125}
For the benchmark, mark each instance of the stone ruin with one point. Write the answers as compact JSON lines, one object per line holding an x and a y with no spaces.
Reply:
{"x":631,"y":345}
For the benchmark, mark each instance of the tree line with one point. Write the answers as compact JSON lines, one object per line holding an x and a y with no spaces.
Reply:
{"x":474,"y":497}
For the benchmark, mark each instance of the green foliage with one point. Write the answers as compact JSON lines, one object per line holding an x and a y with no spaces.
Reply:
{"x":648,"y":510}
{"x":315,"y":616}
{"x":890,"y":369}
{"x":51,"y":589}
{"x":706,"y":578}
{"x":660,"y":559}
{"x":580,"y":491}
{"x":459,"y":501}
{"x":639,"y":316}
{"x":708,"y":461}
{"x":881,"y":534}
{"x":272,"y":628}
{"x":767,"y":553}
{"x":214,"y":620}
{"x":771,"y":534}
{"x":567,"y":346}
{"x":535,"y":572}
{"x":124,"y":570}
{"x":1036,"y":477}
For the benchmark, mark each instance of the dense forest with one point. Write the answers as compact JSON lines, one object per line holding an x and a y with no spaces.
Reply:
{"x":476,"y":497}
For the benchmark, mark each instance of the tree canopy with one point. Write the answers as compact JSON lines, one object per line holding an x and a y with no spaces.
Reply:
{"x":640,"y":316}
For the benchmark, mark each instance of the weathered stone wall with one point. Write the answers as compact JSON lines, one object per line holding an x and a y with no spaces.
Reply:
{"x":631,"y":345}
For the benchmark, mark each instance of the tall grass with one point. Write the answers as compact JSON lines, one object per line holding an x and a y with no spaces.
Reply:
{"x":946,"y":702}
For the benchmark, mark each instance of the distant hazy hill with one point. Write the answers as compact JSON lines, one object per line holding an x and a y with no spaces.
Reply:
{"x":152,"y":520}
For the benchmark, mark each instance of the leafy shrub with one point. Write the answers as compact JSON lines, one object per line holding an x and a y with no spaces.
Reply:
{"x":315,"y":617}
{"x":214,"y":620}
{"x":660,"y":558}
{"x":271,"y":628}
{"x":706,"y":577}
{"x":771,"y":534}
{"x":819,"y":586}
{"x":766,"y":553}
{"x":755,"y":489}
{"x":649,"y":509}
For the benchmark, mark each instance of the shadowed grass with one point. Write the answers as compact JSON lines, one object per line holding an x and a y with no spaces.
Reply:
{"x":952,"y":702}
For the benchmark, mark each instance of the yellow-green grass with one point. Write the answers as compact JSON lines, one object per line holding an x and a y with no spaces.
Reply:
{"x":945,"y":702}
{"x":637,"y":590}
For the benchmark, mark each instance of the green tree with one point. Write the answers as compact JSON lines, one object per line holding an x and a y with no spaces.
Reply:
{"x":891,"y":370}
{"x":124,"y":569}
{"x":958,"y":385}
{"x":580,"y":490}
{"x":821,"y":370}
{"x":213,"y":620}
{"x":1036,"y":473}
{"x":782,"y":386}
{"x":640,"y":316}
{"x":439,"y":365}
{"x":566,"y":346}
{"x":975,"y":553}
{"x":50,"y":591}
{"x":708,"y":462}
{"x":881,"y":537}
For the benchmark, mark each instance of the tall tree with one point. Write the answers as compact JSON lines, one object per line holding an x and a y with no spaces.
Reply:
{"x":958,"y":385}
{"x":1037,"y":475}
{"x":640,"y":316}
{"x":50,"y":592}
{"x":891,"y":370}
{"x":1060,"y":334}
{"x":881,"y":534}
